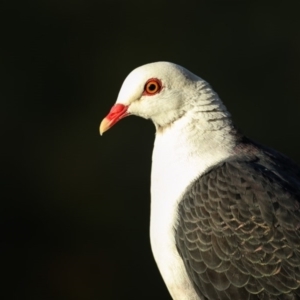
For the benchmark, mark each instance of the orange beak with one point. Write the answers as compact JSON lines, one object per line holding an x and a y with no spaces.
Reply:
{"x":117,"y":112}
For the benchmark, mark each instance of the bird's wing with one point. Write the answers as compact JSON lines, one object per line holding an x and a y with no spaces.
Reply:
{"x":238,"y":233}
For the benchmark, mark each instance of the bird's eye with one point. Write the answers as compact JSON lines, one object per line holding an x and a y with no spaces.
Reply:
{"x":152,"y":87}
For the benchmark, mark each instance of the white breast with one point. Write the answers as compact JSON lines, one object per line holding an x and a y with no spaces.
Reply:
{"x":181,"y":154}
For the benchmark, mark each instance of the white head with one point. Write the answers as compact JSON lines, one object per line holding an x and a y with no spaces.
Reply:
{"x":162,"y":92}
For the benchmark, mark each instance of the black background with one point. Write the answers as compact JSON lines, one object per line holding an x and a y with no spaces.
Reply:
{"x":75,"y":206}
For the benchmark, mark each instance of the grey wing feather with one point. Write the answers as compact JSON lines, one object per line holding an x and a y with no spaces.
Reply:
{"x":238,"y":231}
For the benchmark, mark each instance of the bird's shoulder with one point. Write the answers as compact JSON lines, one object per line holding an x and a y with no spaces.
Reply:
{"x":274,"y":160}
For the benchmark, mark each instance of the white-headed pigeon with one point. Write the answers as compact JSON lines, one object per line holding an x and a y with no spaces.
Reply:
{"x":225,"y":211}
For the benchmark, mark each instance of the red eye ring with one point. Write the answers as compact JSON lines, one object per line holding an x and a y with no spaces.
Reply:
{"x":152,"y":87}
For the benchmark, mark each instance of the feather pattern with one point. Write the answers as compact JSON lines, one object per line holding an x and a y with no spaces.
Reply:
{"x":238,"y":227}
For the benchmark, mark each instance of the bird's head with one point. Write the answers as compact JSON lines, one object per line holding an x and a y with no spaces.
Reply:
{"x":158,"y":91}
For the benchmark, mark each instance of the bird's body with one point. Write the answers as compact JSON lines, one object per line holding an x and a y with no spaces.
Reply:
{"x":225,"y":212}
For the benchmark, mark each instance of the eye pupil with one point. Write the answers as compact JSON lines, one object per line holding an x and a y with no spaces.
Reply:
{"x":152,"y":87}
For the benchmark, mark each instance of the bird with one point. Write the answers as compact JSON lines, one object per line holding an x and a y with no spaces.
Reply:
{"x":225,"y":210}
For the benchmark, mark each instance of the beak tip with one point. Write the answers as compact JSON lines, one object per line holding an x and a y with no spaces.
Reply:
{"x":104,"y":126}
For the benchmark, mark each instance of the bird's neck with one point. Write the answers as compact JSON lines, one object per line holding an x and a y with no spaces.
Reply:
{"x":188,"y":148}
{"x":182,"y":152}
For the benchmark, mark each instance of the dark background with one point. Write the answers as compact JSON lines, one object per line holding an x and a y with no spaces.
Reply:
{"x":75,"y":206}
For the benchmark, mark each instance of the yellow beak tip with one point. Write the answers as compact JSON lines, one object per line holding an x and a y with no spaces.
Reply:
{"x":104,"y":126}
